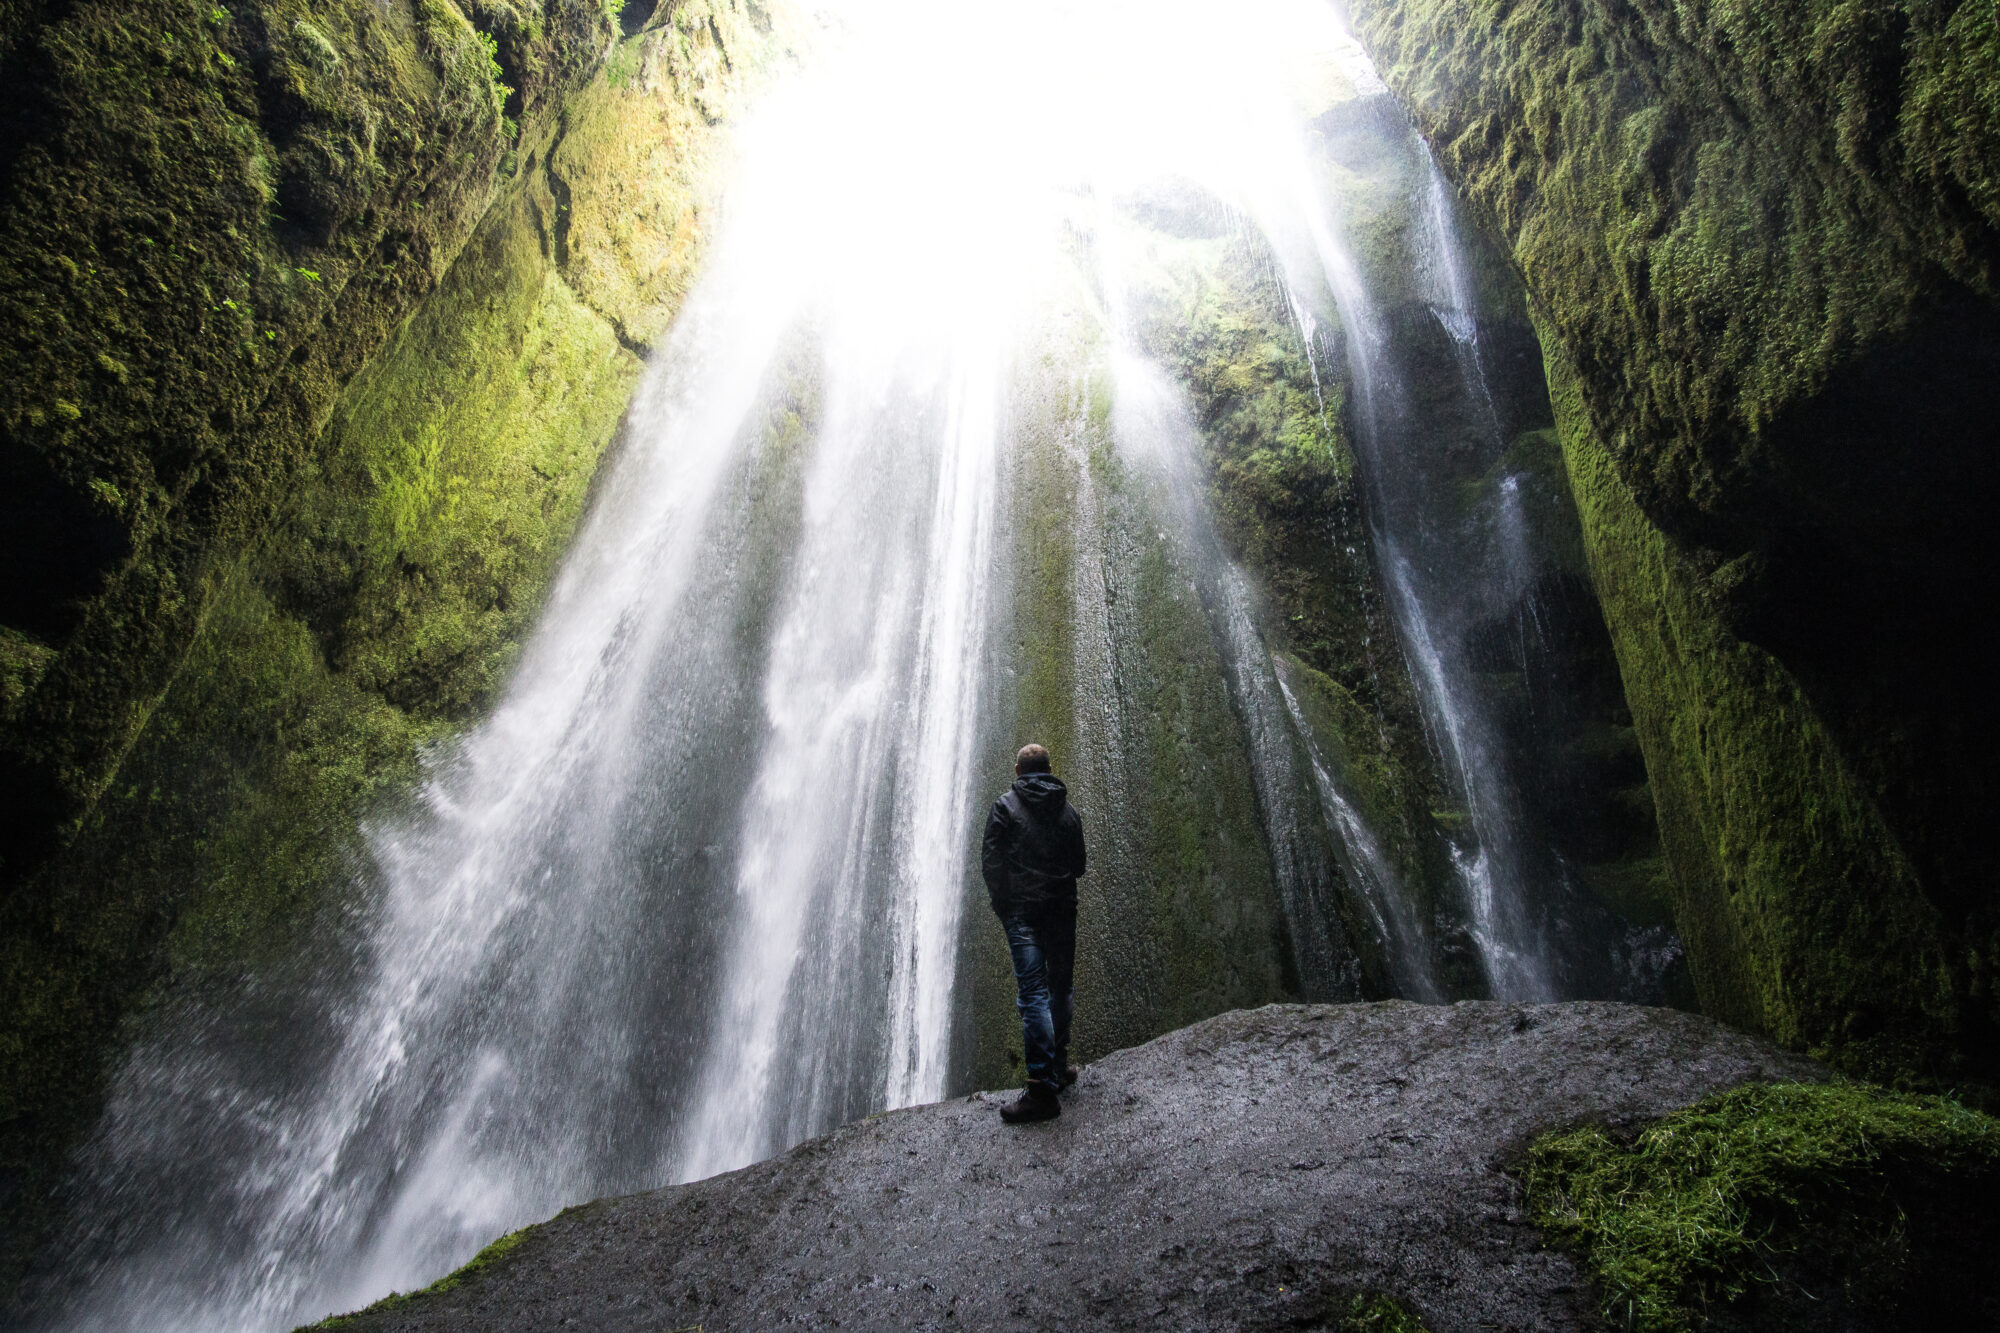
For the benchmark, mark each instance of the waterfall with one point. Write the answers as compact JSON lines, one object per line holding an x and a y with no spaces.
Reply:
{"x":1152,"y":423}
{"x":693,"y":891}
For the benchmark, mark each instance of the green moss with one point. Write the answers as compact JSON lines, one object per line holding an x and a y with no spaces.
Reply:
{"x":1282,"y":471}
{"x":184,"y":174}
{"x":1396,"y":799}
{"x":1283,"y":486}
{"x":1374,"y":1312}
{"x":487,"y":1259}
{"x":638,"y":159}
{"x":1757,"y":1203}
{"x":458,"y":467}
{"x":22,"y":662}
{"x":1045,"y":579}
{"x":1602,"y":143}
{"x":1190,"y":804}
{"x":395,"y":598}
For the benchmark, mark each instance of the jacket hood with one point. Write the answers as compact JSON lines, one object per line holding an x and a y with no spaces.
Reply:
{"x":1042,"y":793}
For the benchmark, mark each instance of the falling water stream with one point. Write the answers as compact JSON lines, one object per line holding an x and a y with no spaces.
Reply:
{"x":693,"y":891}
{"x":1439,"y":576}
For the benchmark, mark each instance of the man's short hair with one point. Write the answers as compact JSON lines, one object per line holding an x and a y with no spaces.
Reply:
{"x":1032,"y":759}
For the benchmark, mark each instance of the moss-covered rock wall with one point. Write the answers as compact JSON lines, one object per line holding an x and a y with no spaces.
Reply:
{"x":1760,"y":244}
{"x":1108,"y":655}
{"x":341,"y":566}
{"x":1114,"y":650}
{"x":1284,"y":486}
{"x":1105,"y":653}
{"x":213,"y":216}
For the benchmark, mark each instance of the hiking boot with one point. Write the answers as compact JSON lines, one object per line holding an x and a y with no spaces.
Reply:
{"x":1067,"y":1079}
{"x":1037,"y":1102}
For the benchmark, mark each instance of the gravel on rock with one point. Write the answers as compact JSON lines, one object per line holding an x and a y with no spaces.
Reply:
{"x":1254,"y":1171}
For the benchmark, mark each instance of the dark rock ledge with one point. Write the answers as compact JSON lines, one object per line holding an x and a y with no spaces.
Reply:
{"x":1255,"y":1171}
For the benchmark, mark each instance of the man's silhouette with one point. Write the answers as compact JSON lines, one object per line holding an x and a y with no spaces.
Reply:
{"x":1032,"y":856}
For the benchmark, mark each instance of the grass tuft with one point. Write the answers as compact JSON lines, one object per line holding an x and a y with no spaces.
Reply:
{"x":1770,"y":1199}
{"x":1373,"y":1312}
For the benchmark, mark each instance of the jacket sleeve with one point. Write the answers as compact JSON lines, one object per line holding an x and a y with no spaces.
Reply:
{"x":993,"y":855}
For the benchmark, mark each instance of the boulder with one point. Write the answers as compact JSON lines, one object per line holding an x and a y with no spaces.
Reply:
{"x":1268,"y":1168}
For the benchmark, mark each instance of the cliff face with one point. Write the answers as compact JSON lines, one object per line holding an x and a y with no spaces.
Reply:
{"x":1470,"y":485}
{"x":1107,"y":655}
{"x":1285,"y":487}
{"x":1117,"y":653}
{"x":1760,"y":243}
{"x":1217,"y":881}
{"x":323,"y":316}
{"x":319,"y":318}
{"x":213,"y":216}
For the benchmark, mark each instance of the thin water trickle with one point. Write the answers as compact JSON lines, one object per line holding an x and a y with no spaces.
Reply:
{"x":1401,"y":934}
{"x":1439,"y":572}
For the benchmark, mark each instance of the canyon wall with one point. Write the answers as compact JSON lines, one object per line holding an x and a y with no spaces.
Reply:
{"x":1759,"y":244}
{"x":320,"y":317}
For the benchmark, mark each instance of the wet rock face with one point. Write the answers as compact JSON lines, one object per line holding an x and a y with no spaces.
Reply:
{"x":1760,"y":244}
{"x":1258,"y":1170}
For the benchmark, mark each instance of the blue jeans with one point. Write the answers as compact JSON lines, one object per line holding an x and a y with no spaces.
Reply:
{"x":1042,"y":939}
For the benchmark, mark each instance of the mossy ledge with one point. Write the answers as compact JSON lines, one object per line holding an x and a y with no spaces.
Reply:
{"x":1780,"y":1206}
{"x":1760,"y":247}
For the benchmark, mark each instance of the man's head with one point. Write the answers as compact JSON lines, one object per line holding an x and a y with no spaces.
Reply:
{"x":1032,"y":759}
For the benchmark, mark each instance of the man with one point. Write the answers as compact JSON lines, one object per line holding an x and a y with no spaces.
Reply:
{"x":1032,"y":856}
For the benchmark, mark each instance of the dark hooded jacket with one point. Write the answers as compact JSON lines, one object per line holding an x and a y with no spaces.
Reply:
{"x":1033,"y":849}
